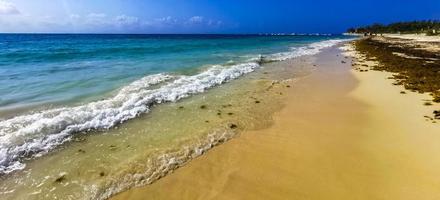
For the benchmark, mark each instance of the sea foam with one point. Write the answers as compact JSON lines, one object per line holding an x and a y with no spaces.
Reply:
{"x":33,"y":135}
{"x":36,"y":134}
{"x":311,"y":49}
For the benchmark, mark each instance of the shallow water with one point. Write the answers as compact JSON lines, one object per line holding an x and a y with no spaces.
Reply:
{"x":97,"y":165}
{"x":80,"y":150}
{"x":38,"y":69}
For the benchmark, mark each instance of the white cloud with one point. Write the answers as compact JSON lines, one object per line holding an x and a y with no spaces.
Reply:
{"x":123,"y":20}
{"x":96,"y":19}
{"x":166,"y":21}
{"x":196,"y":20}
{"x":101,"y":22}
{"x":7,"y":8}
{"x":96,"y":15}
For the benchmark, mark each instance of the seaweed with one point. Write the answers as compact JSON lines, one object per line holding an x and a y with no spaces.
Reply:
{"x":414,"y":74}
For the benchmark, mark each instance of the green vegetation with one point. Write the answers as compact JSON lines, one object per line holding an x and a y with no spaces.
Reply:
{"x":420,"y":75}
{"x":430,"y":27}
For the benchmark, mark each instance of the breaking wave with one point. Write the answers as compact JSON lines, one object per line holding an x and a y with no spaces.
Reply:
{"x":33,"y":135}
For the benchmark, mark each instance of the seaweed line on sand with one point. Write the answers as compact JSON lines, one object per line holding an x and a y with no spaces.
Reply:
{"x":416,"y":69}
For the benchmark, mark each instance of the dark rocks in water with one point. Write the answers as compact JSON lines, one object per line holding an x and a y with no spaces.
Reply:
{"x":81,"y":151}
{"x":436,"y":114}
{"x":233,"y":126}
{"x":225,"y":106}
{"x":221,"y":140}
{"x":257,"y":101}
{"x":288,"y":86}
{"x":61,"y":178}
{"x":101,"y":174}
{"x":230,"y":113}
{"x":203,"y":107}
{"x":181,"y":107}
{"x":343,"y":62}
{"x":260,"y":60}
{"x":402,"y":92}
{"x":219,"y":113}
{"x":207,"y":121}
{"x":427,"y":104}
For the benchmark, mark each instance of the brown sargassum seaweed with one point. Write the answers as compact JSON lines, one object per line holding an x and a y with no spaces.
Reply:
{"x":417,"y":69}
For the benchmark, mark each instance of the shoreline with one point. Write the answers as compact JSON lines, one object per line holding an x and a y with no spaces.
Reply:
{"x":149,"y":147}
{"x":38,"y":132}
{"x":337,"y":137}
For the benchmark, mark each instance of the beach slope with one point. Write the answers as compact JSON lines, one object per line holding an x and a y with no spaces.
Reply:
{"x":342,"y":134}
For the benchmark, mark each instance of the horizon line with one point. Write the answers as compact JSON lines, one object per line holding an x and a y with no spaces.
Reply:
{"x":97,"y":33}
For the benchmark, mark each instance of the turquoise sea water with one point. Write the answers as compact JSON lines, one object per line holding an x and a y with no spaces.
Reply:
{"x":63,"y":84}
{"x":40,"y":69}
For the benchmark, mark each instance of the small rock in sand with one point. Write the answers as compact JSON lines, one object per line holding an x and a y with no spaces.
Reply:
{"x":427,"y":104}
{"x":61,"y":178}
{"x":232,"y":126}
{"x":113,"y":147}
{"x":436,"y":114}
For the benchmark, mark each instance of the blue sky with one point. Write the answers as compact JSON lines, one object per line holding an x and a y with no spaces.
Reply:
{"x":208,"y":16}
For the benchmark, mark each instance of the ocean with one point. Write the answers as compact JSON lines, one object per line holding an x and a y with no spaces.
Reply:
{"x":84,"y":116}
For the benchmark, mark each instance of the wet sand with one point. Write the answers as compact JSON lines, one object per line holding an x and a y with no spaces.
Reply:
{"x":343,"y":134}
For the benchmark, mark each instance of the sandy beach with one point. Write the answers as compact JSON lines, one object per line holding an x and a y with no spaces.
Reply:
{"x":415,"y":37}
{"x":219,"y":100}
{"x":343,"y":134}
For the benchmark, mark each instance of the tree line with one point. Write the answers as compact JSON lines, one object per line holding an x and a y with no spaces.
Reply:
{"x":430,"y":27}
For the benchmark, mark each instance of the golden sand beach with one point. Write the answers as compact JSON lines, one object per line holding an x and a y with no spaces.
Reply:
{"x":342,"y":134}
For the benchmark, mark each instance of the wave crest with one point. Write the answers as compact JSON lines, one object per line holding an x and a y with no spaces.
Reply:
{"x":34,"y":135}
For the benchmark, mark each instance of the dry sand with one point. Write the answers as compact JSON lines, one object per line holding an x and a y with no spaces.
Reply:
{"x":343,"y":134}
{"x":415,"y":37}
{"x":417,"y":41}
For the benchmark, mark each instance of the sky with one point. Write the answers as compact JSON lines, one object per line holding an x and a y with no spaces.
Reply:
{"x":206,"y":16}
